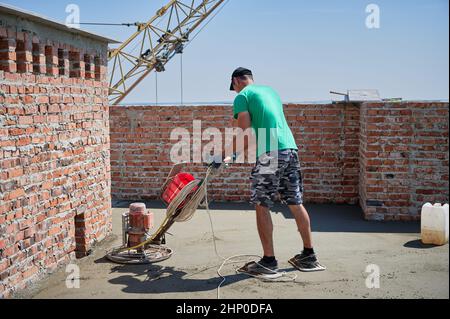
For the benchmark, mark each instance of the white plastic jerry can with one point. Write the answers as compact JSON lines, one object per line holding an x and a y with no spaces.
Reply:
{"x":435,"y":224}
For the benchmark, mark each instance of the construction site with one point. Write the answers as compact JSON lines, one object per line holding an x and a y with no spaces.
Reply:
{"x":92,"y":204}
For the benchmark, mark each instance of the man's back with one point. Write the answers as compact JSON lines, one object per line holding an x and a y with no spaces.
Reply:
{"x":268,"y":120}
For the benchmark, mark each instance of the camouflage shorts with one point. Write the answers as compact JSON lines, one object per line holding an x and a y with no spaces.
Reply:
{"x":277,"y":176}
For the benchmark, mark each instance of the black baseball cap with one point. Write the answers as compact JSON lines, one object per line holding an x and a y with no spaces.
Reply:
{"x":238,"y":73}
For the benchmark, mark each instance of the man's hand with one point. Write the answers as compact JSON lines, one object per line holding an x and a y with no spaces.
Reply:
{"x":228,"y":160}
{"x":218,"y":160}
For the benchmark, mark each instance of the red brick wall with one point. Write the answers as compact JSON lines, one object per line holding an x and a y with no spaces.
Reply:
{"x":54,"y":160}
{"x":326,"y":134}
{"x":140,"y":146}
{"x":389,"y":158}
{"x":404,"y":158}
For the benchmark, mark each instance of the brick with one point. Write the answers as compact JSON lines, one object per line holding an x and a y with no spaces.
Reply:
{"x":15,"y":194}
{"x":23,"y":141}
{"x":29,"y":232}
{"x":16,"y":131}
{"x":47,"y":185}
{"x":28,"y":99}
{"x":42,"y":99}
{"x":2,"y":244}
{"x":25,"y":120}
{"x":54,"y":108}
{"x":15,"y":172}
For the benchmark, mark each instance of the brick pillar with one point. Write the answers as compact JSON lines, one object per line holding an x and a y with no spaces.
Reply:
{"x":7,"y":52}
{"x":52,"y":61}
{"x":100,"y":69}
{"x":385,"y":181}
{"x":429,"y":163}
{"x":39,"y":66}
{"x":350,"y":148}
{"x":77,"y":65}
{"x":24,"y":49}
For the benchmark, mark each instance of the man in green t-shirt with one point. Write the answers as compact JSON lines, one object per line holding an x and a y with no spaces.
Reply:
{"x":277,"y":174}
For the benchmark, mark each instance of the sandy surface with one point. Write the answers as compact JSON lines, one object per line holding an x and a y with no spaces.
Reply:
{"x":345,"y":243}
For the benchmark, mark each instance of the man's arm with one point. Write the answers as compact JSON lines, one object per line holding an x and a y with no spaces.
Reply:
{"x":244,"y":121}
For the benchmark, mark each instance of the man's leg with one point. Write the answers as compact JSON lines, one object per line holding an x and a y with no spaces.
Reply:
{"x":292,"y":193}
{"x":264,"y":187}
{"x":291,"y":190}
{"x":267,"y":266}
{"x":265,"y":229}
{"x":307,"y":260}
{"x":303,"y":223}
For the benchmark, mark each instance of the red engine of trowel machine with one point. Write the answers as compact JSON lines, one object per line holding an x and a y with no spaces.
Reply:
{"x":136,"y":225}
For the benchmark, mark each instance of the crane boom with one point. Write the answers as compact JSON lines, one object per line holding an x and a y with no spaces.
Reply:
{"x":155,"y":43}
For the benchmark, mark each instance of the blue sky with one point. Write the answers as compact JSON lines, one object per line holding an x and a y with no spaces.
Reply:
{"x":302,"y":48}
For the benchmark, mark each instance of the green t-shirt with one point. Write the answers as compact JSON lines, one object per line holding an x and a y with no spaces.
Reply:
{"x":268,"y":120}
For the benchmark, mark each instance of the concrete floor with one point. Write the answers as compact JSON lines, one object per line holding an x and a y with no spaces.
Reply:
{"x":346,"y":245}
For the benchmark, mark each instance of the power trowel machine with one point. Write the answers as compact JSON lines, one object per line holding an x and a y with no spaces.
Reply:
{"x":183,"y":194}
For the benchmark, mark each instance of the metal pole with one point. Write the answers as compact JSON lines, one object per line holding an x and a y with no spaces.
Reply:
{"x":156,"y":83}
{"x":181,"y":80}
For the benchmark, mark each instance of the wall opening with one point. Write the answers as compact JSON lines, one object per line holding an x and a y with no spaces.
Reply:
{"x":88,"y":67}
{"x":81,"y":240}
{"x":49,"y":60}
{"x":74,"y":64}
{"x":21,"y":57}
{"x":62,"y":62}
{"x":37,"y":66}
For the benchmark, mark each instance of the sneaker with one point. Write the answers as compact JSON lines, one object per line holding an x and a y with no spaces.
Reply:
{"x":261,"y":270}
{"x":307,"y":263}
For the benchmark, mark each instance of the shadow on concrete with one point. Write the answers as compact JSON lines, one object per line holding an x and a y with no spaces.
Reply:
{"x":349,"y":219}
{"x":417,"y":244}
{"x":156,"y":279}
{"x":325,"y":217}
{"x":159,"y":279}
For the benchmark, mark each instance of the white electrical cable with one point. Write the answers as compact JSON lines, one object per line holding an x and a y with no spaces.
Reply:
{"x":229,"y":259}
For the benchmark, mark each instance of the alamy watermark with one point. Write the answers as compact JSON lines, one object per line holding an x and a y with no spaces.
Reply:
{"x":373,"y":277}
{"x":73,"y":279}
{"x":213,"y":144}
{"x":73,"y":17}
{"x":199,"y":145}
{"x":373,"y":20}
